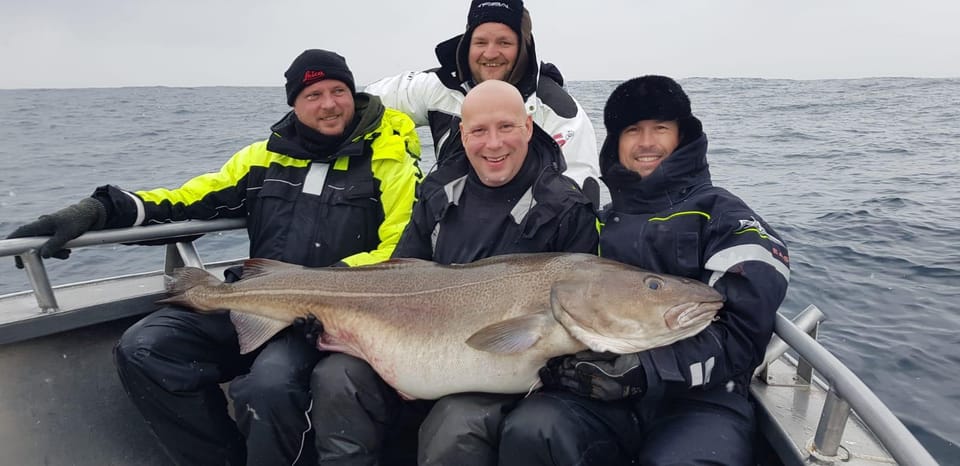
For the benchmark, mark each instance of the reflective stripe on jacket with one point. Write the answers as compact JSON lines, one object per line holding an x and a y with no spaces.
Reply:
{"x":351,"y":210}
{"x":676,"y":222}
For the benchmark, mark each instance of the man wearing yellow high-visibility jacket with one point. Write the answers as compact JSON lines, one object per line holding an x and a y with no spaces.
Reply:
{"x":333,"y":185}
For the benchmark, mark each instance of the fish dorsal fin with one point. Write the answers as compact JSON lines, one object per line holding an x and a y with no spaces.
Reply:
{"x":395,"y":262}
{"x":257,"y":267}
{"x":407,"y":261}
{"x":253,"y":330}
{"x":185,"y":278}
{"x":511,"y":335}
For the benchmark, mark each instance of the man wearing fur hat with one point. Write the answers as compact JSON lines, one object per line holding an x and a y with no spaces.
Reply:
{"x":685,"y":403}
{"x":497,"y":44}
{"x":333,"y":184}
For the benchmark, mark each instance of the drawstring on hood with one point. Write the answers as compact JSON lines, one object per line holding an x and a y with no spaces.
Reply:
{"x":669,"y":183}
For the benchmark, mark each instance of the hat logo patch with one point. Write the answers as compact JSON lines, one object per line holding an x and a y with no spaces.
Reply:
{"x":493,"y":4}
{"x":313,"y":75}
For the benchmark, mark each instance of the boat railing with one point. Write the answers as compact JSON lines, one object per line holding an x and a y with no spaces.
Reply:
{"x":178,"y":253}
{"x":846,"y":393}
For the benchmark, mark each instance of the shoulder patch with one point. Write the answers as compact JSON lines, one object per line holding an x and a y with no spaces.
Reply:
{"x":754,"y":225}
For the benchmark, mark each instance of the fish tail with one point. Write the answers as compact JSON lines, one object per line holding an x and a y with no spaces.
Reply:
{"x":185,"y":279}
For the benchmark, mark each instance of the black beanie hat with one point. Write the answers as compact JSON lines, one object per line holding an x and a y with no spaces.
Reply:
{"x":650,"y":98}
{"x":509,"y":12}
{"x":316,"y":65}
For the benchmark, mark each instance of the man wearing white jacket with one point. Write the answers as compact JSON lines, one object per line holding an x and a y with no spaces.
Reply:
{"x":497,"y":44}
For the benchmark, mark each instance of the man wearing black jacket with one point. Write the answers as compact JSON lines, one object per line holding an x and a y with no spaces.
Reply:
{"x":505,"y":196}
{"x":685,"y":403}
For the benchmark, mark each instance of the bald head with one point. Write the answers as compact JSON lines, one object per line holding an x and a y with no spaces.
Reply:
{"x":492,"y":95}
{"x":495,"y":130}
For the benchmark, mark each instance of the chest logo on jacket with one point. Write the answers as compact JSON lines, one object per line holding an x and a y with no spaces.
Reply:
{"x":562,"y":138}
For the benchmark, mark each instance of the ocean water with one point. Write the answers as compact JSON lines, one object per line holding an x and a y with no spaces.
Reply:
{"x":859,"y":177}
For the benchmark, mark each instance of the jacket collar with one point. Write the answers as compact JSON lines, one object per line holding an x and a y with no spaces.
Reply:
{"x":672,"y":182}
{"x":285,"y":138}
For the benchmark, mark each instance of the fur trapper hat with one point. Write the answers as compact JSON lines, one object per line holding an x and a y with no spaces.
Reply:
{"x":650,"y":97}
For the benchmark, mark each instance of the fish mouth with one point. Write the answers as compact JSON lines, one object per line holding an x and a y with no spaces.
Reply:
{"x":691,"y":314}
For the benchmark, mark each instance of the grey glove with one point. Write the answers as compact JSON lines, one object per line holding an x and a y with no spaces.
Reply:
{"x":63,"y":226}
{"x":603,"y":376}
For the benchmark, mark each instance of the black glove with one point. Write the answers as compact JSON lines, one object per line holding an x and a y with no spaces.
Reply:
{"x":309,"y":327}
{"x":591,"y":189}
{"x":63,"y":226}
{"x":603,"y":376}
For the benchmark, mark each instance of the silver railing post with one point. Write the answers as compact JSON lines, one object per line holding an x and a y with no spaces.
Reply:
{"x":172,"y":259}
{"x":189,"y":254}
{"x":181,"y":254}
{"x":808,"y":321}
{"x":891,"y":432}
{"x":833,"y":420}
{"x":804,"y":369}
{"x":37,"y":274}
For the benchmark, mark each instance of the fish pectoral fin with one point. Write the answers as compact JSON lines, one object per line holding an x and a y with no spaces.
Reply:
{"x":253,"y":330}
{"x":511,"y":335}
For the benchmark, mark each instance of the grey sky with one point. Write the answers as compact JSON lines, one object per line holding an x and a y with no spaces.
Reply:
{"x":106,"y":43}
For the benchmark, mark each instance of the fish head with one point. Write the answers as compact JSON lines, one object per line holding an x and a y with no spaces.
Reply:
{"x":615,"y":307}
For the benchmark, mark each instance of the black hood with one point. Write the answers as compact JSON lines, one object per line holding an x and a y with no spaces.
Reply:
{"x":454,"y":69}
{"x":674,"y":179}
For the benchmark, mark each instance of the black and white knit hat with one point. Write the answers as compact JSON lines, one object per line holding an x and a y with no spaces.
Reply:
{"x":509,"y":12}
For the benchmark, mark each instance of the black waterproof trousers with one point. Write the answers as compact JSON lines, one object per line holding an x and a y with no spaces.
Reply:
{"x":558,"y":428}
{"x":360,"y":420}
{"x":172,"y":363}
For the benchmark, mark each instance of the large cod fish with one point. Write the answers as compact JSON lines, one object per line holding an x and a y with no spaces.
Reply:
{"x":430,"y":330}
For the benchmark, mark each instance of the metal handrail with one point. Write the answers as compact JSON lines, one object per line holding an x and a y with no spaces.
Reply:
{"x":12,"y":247}
{"x":182,"y":253}
{"x":807,"y":320}
{"x":894,"y":436}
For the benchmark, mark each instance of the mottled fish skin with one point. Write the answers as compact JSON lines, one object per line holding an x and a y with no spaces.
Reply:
{"x":431,"y":330}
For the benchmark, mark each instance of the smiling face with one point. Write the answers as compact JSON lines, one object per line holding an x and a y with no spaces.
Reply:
{"x":495,"y":132}
{"x":645,"y":144}
{"x":493,"y":51}
{"x":326,"y":106}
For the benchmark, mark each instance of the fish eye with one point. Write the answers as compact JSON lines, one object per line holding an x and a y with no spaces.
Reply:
{"x":653,"y":283}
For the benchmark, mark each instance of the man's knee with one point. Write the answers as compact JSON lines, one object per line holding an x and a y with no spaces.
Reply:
{"x":266,"y":388}
{"x":701,"y":433}
{"x":468,"y":414}
{"x":140,"y":345}
{"x":463,"y":429}
{"x":138,"y":342}
{"x":168,"y":350}
{"x":340,"y":374}
{"x":536,"y":415}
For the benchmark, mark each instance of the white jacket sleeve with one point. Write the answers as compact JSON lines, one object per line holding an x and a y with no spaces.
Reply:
{"x":576,"y":138}
{"x":414,"y":93}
